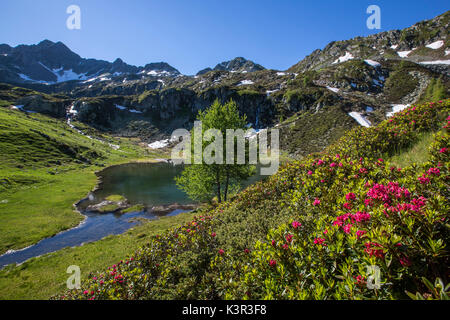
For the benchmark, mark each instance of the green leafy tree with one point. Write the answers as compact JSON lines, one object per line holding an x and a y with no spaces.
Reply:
{"x":204,"y":181}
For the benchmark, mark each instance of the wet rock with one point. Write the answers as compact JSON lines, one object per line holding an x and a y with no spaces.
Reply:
{"x":163,"y":210}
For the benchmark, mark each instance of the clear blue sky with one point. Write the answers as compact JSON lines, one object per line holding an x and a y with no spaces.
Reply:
{"x":194,"y":34}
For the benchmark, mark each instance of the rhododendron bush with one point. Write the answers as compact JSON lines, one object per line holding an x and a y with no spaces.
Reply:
{"x":316,"y":230}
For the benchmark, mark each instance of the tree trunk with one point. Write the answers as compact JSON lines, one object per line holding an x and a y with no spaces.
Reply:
{"x":226,"y":185}
{"x":219,"y":198}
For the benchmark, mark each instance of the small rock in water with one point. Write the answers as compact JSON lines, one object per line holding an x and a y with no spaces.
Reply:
{"x":107,"y":206}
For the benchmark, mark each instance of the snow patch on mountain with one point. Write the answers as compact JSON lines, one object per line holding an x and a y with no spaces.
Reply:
{"x":68,"y":75}
{"x":403,"y":54}
{"x":245,"y":82}
{"x":435,"y":45}
{"x":360,"y":119}
{"x":397,"y":108}
{"x":159,"y":144}
{"x":269,"y":92}
{"x":27,"y":78}
{"x":446,"y":62}
{"x":372,"y":63}
{"x":346,"y":57}
{"x":335,"y":90}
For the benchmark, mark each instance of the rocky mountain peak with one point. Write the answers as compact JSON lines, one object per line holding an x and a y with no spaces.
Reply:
{"x":238,"y":64}
{"x":51,"y":62}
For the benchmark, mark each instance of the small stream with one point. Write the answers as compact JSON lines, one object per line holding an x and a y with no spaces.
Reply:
{"x":150,"y":184}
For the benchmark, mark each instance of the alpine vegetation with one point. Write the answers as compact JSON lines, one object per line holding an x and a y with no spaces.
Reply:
{"x":328,"y":180}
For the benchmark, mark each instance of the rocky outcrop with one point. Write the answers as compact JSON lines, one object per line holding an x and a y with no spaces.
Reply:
{"x":238,"y":64}
{"x":38,"y":103}
{"x":163,"y":210}
{"x":108,"y":206}
{"x":385,"y":44}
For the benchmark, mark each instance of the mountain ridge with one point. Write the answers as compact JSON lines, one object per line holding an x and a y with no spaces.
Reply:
{"x":51,"y":62}
{"x":347,"y":83}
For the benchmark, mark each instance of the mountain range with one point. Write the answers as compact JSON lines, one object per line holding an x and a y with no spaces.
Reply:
{"x":353,"y":82}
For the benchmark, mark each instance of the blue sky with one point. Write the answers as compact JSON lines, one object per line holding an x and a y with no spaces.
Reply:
{"x":193,"y":34}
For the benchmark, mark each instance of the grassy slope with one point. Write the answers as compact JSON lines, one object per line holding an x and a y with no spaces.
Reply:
{"x":418,"y":153}
{"x":40,"y":179}
{"x":310,"y":132}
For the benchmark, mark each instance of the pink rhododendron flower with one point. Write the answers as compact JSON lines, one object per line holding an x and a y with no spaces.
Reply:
{"x":347,"y":228}
{"x":316,"y":202}
{"x":350,"y":196}
{"x":404,"y":261}
{"x":296,"y":224}
{"x":359,"y":233}
{"x":221,"y":251}
{"x":360,"y":280}
{"x":320,"y":241}
{"x":434,"y":171}
{"x":347,"y":206}
{"x":379,"y":253}
{"x":272,"y":263}
{"x":424,"y":179}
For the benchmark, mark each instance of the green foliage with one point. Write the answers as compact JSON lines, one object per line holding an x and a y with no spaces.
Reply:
{"x":135,"y":208}
{"x":248,"y":92}
{"x":352,"y":70}
{"x":435,"y":91}
{"x":395,"y":134}
{"x":399,"y":84}
{"x":200,"y":181}
{"x":36,"y":140}
{"x":438,"y":291}
{"x":115,"y":198}
{"x":418,"y":153}
{"x":197,"y":182}
{"x":312,"y":131}
{"x":145,"y":95}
